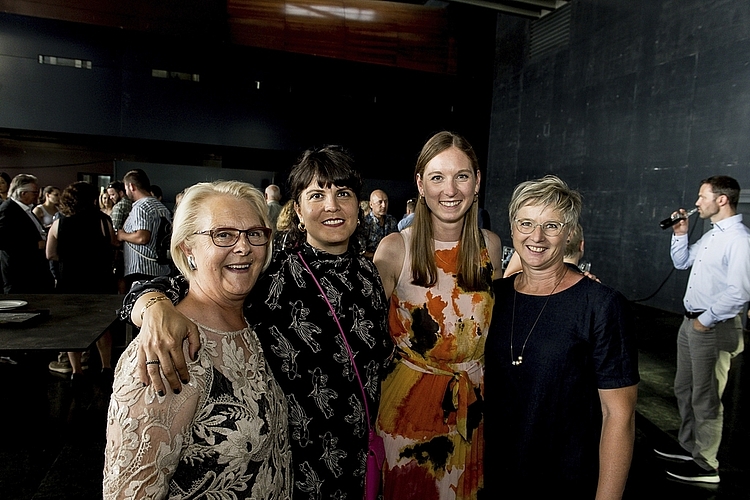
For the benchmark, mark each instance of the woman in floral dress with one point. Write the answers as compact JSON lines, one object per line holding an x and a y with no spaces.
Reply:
{"x":438,"y":274}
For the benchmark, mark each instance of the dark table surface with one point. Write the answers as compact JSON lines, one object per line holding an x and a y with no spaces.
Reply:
{"x":67,"y":323}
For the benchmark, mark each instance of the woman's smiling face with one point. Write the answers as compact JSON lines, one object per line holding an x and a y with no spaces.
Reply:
{"x":226,"y":272}
{"x":448,"y":185}
{"x":329,"y":214}
{"x":536,"y":249}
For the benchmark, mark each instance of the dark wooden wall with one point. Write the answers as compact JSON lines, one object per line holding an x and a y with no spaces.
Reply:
{"x":648,"y":98}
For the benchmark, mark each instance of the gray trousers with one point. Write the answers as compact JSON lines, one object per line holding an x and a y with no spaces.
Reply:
{"x":703,"y":360}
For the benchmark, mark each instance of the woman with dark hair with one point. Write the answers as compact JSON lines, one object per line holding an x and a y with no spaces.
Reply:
{"x":320,"y":313}
{"x":47,"y":208}
{"x":82,"y":243}
{"x":438,"y":275}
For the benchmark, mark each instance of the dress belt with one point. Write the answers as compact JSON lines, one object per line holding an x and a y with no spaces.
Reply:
{"x":693,"y":315}
{"x":459,"y":389}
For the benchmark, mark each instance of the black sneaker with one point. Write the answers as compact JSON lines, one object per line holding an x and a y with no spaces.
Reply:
{"x":673,"y":455}
{"x":694,"y":473}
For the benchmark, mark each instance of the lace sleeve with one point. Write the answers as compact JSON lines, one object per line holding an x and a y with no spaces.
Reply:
{"x":176,"y":288}
{"x":146,"y":433}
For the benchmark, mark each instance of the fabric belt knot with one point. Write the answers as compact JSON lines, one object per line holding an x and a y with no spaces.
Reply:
{"x":693,"y":315}
{"x":458,"y":392}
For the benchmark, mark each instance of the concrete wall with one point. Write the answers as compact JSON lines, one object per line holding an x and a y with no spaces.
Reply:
{"x":646,"y":99}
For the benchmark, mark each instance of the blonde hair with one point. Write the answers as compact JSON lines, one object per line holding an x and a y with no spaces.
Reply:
{"x":286,"y":216}
{"x":548,"y":191}
{"x":184,"y":224}
{"x":470,"y":275}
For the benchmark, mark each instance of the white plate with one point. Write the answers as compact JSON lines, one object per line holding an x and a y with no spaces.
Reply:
{"x":11,"y":304}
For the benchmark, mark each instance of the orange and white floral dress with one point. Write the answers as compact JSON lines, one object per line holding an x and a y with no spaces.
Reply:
{"x":431,"y":403}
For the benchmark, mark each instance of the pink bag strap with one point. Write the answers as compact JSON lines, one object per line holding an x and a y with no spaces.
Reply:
{"x":343,"y":336}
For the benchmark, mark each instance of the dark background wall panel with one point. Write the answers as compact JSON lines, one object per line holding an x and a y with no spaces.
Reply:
{"x":35,"y":96}
{"x":56,"y":98}
{"x":648,"y":98}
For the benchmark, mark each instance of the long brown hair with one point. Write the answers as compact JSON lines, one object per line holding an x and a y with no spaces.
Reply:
{"x":471,"y":275}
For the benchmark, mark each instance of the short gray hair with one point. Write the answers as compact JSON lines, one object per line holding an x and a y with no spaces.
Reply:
{"x":549,"y":191}
{"x":184,"y":224}
{"x":19,"y":183}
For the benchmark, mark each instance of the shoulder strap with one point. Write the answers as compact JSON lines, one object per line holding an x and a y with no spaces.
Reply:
{"x":343,"y":337}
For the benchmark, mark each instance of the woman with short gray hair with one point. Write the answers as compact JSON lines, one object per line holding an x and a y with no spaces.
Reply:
{"x":561,"y":364}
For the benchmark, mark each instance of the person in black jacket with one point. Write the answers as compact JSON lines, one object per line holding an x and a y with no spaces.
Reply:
{"x":24,"y":266}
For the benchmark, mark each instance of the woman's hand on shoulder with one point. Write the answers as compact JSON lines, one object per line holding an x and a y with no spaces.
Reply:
{"x":389,"y":259}
{"x":495,"y":249}
{"x":160,"y":342}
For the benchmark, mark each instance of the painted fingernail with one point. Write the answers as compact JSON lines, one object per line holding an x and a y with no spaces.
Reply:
{"x":161,"y":394}
{"x":185,"y":381}
{"x":176,"y":391}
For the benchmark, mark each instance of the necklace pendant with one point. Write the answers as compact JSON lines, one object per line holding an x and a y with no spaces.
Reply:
{"x":518,"y":361}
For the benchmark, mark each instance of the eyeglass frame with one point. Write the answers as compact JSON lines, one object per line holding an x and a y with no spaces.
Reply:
{"x":540,"y":224}
{"x":267,"y":231}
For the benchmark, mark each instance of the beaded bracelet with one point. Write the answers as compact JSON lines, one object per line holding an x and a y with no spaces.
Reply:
{"x":151,"y":302}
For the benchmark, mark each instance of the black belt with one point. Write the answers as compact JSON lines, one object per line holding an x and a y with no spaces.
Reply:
{"x":693,"y":315}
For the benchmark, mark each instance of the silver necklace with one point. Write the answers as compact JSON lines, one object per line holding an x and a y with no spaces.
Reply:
{"x":515,"y":361}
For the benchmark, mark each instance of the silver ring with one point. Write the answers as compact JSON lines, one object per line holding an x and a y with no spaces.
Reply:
{"x":153,"y":362}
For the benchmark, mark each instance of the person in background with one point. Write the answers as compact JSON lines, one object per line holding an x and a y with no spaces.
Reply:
{"x":282,"y":238}
{"x":438,"y":275}
{"x":711,"y":332}
{"x":379,"y":223}
{"x":409,"y":216}
{"x":224,"y":435}
{"x":47,"y":209}
{"x":82,"y":242}
{"x":320,"y":313}
{"x":23,"y":262}
{"x":122,"y":204}
{"x":273,"y":200}
{"x":156,"y":192}
{"x":4,"y":186}
{"x":138,"y":234}
{"x":364,"y":207}
{"x":561,"y":364}
{"x":105,"y":203}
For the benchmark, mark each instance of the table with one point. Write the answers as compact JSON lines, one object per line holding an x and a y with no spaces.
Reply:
{"x":74,"y":322}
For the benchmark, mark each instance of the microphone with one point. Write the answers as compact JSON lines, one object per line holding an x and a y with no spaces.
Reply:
{"x":671,"y":221}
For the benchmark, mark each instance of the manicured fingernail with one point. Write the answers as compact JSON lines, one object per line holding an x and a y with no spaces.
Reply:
{"x":161,"y":394}
{"x":176,"y":391}
{"x":185,"y":381}
{"x":143,"y":384}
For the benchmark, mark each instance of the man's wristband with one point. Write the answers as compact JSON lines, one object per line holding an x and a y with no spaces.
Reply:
{"x":151,"y":302}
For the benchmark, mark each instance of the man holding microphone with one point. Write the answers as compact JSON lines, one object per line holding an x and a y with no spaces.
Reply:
{"x":711,"y":331}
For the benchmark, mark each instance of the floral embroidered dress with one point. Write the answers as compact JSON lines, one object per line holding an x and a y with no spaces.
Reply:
{"x":431,"y":404}
{"x":224,"y":436}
